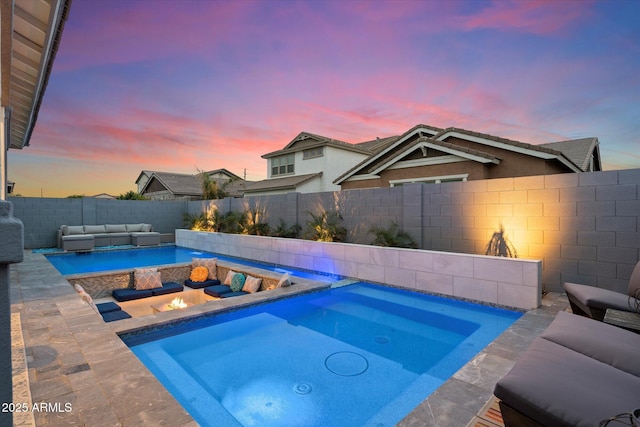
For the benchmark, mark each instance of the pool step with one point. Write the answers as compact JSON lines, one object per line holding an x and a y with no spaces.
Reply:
{"x":343,"y":282}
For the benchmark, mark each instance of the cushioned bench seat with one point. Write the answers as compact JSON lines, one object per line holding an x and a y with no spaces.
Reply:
{"x":112,"y":316}
{"x":217,"y":290}
{"x":200,"y":285}
{"x":129,"y":294}
{"x":107,"y":307}
{"x":110,"y":312}
{"x":234,"y":294}
{"x":222,"y":291}
{"x":167,"y":288}
{"x":576,"y":373}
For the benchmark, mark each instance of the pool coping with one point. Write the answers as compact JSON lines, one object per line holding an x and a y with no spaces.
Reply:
{"x":74,"y":357}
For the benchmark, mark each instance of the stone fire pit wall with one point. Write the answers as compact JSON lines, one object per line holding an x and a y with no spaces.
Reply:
{"x":511,"y":282}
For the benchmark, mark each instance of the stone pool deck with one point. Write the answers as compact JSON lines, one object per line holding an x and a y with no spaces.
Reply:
{"x":80,"y":372}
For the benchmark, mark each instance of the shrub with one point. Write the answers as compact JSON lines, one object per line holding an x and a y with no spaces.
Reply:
{"x":326,"y":227}
{"x":392,"y":237}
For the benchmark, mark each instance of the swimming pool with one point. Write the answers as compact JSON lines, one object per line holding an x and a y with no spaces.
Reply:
{"x":98,"y":261}
{"x":358,"y":355}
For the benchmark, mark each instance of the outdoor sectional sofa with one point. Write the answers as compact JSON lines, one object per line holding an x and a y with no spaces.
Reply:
{"x":86,"y":237}
{"x":577,"y":373}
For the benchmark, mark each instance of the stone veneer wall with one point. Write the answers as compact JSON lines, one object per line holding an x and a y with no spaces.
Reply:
{"x":508,"y":282}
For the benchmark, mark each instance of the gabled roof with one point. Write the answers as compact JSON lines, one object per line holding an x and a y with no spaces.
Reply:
{"x":389,"y":146}
{"x":575,"y":155}
{"x":579,"y":151}
{"x":191,"y":185}
{"x":285,"y":183}
{"x":509,"y":144}
{"x":176,"y":183}
{"x":307,"y":140}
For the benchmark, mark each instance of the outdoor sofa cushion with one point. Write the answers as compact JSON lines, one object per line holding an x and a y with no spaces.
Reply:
{"x":558,"y":387}
{"x":107,"y":307}
{"x":199,"y":285}
{"x":167,"y":288}
{"x":129,"y":294}
{"x":234,"y":294}
{"x":115,"y":315}
{"x":217,"y":290}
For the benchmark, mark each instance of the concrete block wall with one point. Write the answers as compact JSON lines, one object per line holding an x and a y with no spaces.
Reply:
{"x":507,"y":282}
{"x":584,"y":227}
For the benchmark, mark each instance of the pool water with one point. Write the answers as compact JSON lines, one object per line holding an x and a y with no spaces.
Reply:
{"x":107,"y":260}
{"x":358,"y":355}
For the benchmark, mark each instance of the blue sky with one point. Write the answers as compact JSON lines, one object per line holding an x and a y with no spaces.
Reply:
{"x":205,"y":84}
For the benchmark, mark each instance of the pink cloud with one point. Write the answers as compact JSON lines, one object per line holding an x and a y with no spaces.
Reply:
{"x":537,"y":17}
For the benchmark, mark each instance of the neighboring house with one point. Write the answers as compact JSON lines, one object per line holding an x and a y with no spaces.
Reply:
{"x":311,"y":163}
{"x":426,"y":154}
{"x":104,"y":196}
{"x":173,"y":186}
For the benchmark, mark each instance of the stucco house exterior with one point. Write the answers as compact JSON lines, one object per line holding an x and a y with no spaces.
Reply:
{"x":311,"y":163}
{"x":157,"y":185}
{"x":422,"y":154}
{"x":425,"y":154}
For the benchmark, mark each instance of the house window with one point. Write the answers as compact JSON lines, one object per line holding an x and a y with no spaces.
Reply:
{"x":312,"y":153}
{"x":282,"y":165}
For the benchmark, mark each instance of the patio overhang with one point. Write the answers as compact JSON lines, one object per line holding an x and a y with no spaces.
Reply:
{"x":30,"y":32}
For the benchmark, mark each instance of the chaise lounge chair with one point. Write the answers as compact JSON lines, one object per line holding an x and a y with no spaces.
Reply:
{"x":577,"y":373}
{"x":593,"y":302}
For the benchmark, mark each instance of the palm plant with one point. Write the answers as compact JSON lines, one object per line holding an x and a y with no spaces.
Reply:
{"x":282,"y":230}
{"x":499,"y":245}
{"x":392,"y":237}
{"x":326,"y":227}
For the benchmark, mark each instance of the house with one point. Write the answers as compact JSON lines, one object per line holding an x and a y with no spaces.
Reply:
{"x":311,"y":163}
{"x":173,"y":186}
{"x":426,"y":154}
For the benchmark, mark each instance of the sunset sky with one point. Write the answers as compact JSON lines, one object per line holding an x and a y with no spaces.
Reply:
{"x":178,"y":86}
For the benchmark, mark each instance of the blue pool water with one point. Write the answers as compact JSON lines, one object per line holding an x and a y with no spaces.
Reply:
{"x":351,"y":356}
{"x":97,"y":261}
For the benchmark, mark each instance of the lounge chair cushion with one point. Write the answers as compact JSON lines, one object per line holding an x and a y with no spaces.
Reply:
{"x":611,"y":345}
{"x":115,"y":315}
{"x":234,"y":294}
{"x":167,"y":288}
{"x":128,"y":294}
{"x":217,"y":290}
{"x":589,"y":296}
{"x":559,"y":387}
{"x":200,"y":285}
{"x":107,"y":307}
